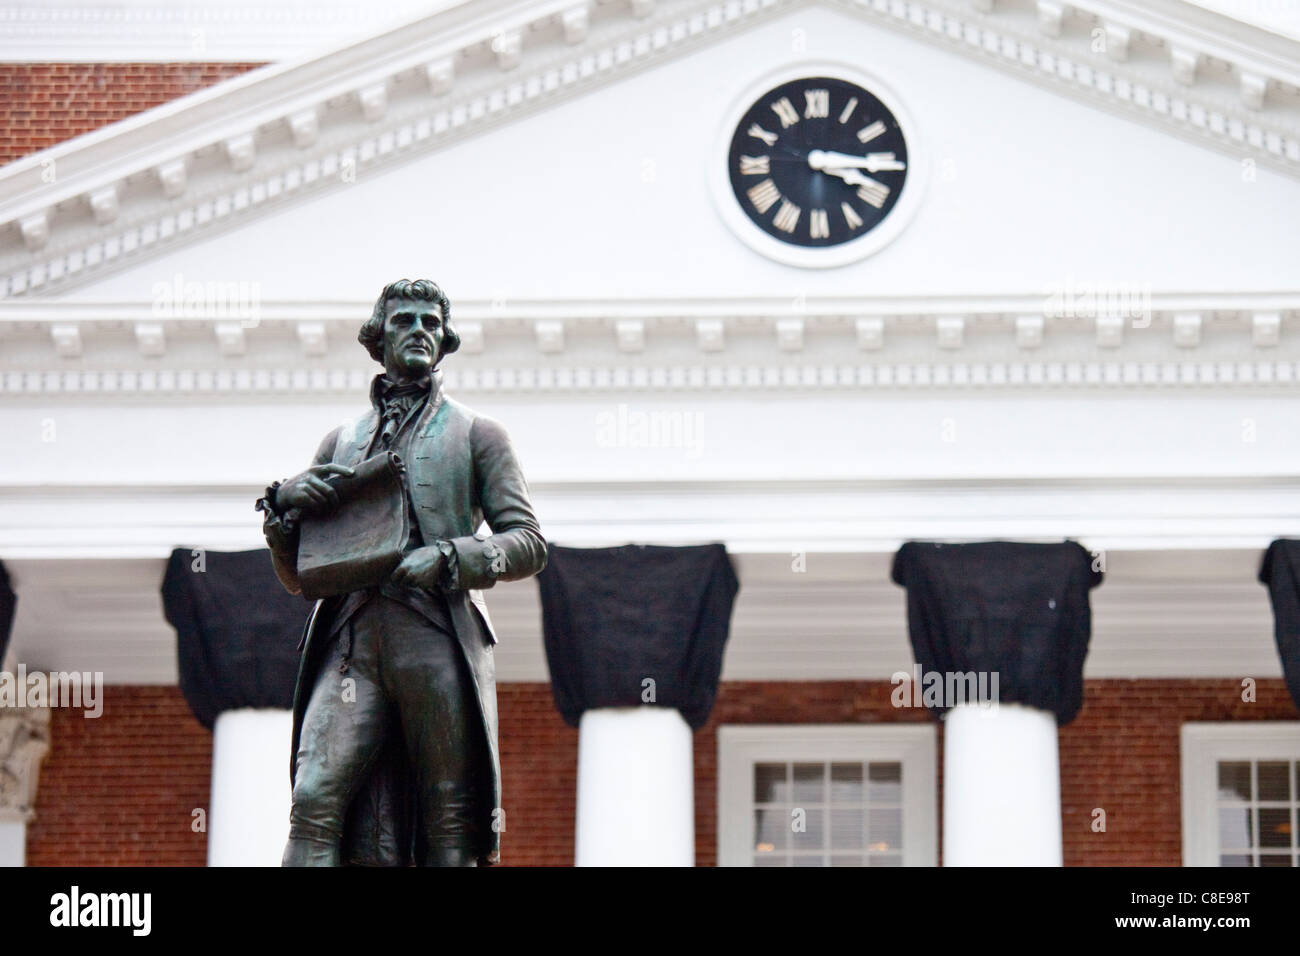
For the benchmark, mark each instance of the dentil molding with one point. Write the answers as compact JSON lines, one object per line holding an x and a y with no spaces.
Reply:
{"x":1094,"y":340}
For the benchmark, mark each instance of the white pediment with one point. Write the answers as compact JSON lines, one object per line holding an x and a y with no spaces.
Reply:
{"x":569,"y":156}
{"x":609,"y":196}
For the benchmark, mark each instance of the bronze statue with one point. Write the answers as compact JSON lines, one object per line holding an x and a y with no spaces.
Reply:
{"x":394,"y":756}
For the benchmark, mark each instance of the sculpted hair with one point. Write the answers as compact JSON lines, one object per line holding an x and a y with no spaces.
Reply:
{"x":418,"y":290}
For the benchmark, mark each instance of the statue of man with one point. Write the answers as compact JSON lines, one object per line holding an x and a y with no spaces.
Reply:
{"x":395,"y":727}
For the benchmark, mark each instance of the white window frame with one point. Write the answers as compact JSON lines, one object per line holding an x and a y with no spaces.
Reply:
{"x":1203,"y":746}
{"x":911,"y":745}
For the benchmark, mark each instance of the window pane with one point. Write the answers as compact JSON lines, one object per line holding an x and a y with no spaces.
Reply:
{"x":812,"y":838}
{"x":846,"y":859}
{"x":846,"y":829}
{"x":885,"y":829}
{"x":1275,"y":859}
{"x":846,"y":783}
{"x":1234,"y":780}
{"x":1234,"y":860}
{"x":1275,"y":827}
{"x":1274,"y":781}
{"x":772,"y":859}
{"x":885,"y":859}
{"x":886,"y":782}
{"x":809,"y":783}
{"x":1234,"y":828}
{"x":770,"y":829}
{"x":817,"y":860}
{"x":770,"y":783}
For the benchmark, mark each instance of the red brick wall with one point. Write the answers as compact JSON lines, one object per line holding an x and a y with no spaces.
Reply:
{"x":539,"y":777}
{"x":46,"y":103}
{"x":120,"y":789}
{"x":1122,"y":754}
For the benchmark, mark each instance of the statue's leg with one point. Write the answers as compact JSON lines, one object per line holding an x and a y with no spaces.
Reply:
{"x":426,"y":675}
{"x":343,"y":729}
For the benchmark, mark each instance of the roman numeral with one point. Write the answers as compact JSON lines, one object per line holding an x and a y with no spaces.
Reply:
{"x":785,"y":112}
{"x":754,"y":166}
{"x":819,"y":225}
{"x":764,"y":195}
{"x":874,"y":193}
{"x":787,"y":217}
{"x":848,"y":110}
{"x":759,"y":133}
{"x":850,"y":216}
{"x":817,"y":103}
{"x":868,"y":133}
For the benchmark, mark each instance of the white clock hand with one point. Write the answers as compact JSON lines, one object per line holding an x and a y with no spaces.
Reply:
{"x":826,"y":160}
{"x":853,"y":177}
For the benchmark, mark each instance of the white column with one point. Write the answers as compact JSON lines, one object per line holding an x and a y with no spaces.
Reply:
{"x":1001,"y":787}
{"x":13,"y":838}
{"x":636,"y":788}
{"x":248,"y":819}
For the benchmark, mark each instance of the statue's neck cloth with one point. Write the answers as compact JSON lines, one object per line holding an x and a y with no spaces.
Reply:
{"x":394,"y":401}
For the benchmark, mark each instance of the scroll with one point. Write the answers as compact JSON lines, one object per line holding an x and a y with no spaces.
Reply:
{"x":360,"y":542}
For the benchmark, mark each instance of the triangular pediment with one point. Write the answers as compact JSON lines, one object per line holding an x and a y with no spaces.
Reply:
{"x":562,"y":149}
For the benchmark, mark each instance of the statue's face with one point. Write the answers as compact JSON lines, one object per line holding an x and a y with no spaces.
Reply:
{"x":412,"y":337}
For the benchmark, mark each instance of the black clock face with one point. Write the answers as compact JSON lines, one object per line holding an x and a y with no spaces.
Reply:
{"x":817,"y":162}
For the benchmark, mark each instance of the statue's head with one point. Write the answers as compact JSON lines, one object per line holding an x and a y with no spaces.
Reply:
{"x":410,"y":329}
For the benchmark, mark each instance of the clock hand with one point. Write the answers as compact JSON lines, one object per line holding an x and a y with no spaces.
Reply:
{"x":826,"y":160}
{"x":853,"y":177}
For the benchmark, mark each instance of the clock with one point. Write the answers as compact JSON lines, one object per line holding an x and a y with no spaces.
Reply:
{"x":820,"y":167}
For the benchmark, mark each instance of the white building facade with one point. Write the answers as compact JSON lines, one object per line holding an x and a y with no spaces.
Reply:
{"x":1080,"y":319}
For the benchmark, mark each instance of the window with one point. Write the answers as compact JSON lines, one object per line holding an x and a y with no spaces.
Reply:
{"x":1240,"y":794}
{"x":855,"y":795}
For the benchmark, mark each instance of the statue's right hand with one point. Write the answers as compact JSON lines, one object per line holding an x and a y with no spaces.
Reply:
{"x":310,"y":492}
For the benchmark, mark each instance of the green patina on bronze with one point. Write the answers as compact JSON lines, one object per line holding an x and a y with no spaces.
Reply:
{"x":363,"y":793}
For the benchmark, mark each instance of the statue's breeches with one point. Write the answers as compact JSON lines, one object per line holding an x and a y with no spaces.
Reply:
{"x":389,"y":670}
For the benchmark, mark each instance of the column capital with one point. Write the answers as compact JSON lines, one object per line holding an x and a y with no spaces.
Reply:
{"x":24,"y":742}
{"x":636,"y":625}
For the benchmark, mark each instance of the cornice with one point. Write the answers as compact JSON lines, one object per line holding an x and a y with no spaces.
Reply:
{"x":1011,"y":341}
{"x":245,"y":146}
{"x":860,"y":516}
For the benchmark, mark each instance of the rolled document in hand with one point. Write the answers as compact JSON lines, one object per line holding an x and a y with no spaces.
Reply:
{"x":360,"y":542}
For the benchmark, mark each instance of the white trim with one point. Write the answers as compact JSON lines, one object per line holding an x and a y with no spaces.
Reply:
{"x":740,"y":747}
{"x":1203,"y":745}
{"x":914,"y":185}
{"x":861,"y":516}
{"x":131,"y":343}
{"x":802,"y":377}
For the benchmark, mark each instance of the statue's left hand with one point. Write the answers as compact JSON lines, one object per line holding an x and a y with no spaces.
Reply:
{"x":422,"y":568}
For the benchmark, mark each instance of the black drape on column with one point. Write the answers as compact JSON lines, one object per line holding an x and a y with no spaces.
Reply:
{"x":1280,"y":571}
{"x":237,"y":630}
{"x":615,"y":617}
{"x":1018,"y":610}
{"x":8,"y":604}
